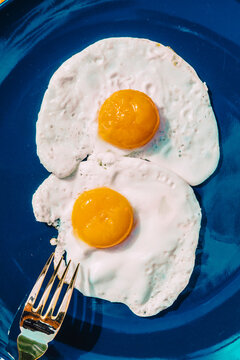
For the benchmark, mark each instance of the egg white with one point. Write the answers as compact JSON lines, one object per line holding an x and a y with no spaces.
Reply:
{"x":153,"y":265}
{"x":187,"y":140}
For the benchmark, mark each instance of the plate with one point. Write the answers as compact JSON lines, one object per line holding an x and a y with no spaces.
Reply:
{"x":36,"y":38}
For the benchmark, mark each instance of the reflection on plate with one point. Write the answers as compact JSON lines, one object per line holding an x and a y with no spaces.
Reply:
{"x":206,"y":316}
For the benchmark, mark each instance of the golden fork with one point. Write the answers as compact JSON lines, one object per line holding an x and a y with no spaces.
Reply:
{"x":37,"y":329}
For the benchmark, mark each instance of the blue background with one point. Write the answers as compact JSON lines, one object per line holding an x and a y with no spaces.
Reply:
{"x":35,"y":38}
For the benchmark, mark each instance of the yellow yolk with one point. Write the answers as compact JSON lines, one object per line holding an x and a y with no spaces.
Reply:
{"x":128,"y":119}
{"x":102,"y":217}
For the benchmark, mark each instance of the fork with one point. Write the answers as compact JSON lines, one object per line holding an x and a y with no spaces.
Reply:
{"x":38,"y":328}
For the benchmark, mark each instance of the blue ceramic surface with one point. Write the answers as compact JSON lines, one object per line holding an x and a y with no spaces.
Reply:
{"x":35,"y":38}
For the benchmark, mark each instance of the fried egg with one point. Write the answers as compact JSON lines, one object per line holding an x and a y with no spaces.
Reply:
{"x":132,"y":225}
{"x":131,"y":97}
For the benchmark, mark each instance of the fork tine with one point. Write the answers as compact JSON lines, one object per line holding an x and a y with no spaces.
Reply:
{"x":45,"y":295}
{"x":55,"y":297}
{"x":35,"y":290}
{"x":67,"y":297}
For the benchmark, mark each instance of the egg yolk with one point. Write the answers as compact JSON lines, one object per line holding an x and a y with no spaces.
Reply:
{"x":102,"y":217}
{"x":128,"y":119}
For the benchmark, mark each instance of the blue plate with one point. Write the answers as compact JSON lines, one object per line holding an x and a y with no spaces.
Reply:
{"x":36,"y":37}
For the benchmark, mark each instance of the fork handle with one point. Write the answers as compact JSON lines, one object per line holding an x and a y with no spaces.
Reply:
{"x":29,"y":349}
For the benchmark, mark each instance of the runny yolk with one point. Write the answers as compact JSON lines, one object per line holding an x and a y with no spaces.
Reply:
{"x":102,"y":217}
{"x":128,"y":119}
